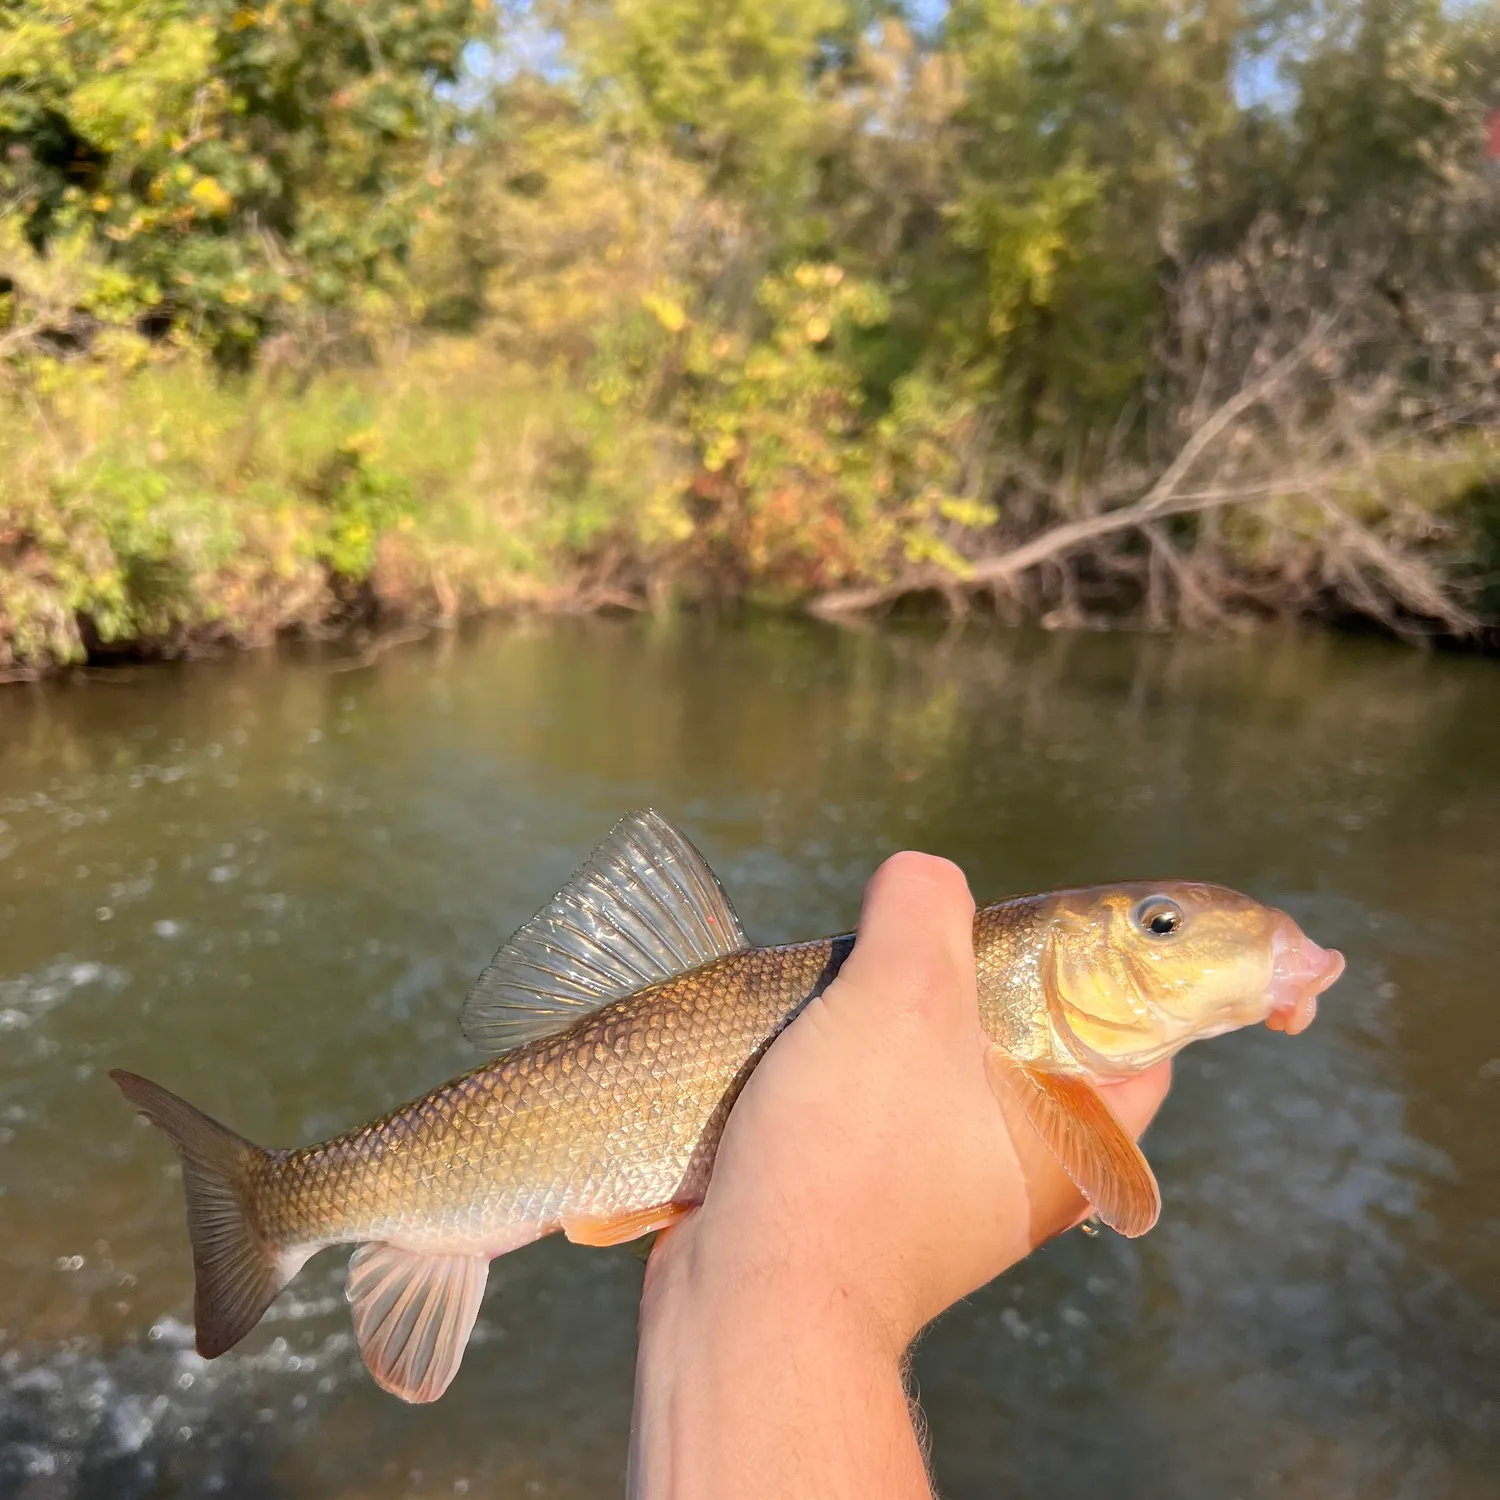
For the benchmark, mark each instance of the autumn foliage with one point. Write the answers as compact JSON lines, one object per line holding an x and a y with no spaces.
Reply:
{"x":315,"y":311}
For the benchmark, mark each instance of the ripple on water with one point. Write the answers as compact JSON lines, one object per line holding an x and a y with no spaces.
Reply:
{"x":76,"y":1417}
{"x":28,"y":995}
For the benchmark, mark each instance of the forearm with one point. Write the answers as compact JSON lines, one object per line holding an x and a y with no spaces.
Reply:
{"x":758,"y":1385}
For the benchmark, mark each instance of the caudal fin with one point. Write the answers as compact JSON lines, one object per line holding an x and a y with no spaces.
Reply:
{"x":236,"y":1273}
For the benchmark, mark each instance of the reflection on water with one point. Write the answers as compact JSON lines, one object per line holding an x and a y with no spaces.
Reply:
{"x":269,"y":883}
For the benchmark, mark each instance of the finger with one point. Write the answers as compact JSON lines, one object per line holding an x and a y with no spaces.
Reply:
{"x":1135,"y":1101}
{"x":914,"y":952}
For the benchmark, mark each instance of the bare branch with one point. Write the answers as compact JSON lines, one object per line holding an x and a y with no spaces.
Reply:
{"x":1286,"y":376}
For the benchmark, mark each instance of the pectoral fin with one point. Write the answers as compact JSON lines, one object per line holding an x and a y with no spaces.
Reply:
{"x":413,"y":1315}
{"x":1090,"y":1144}
{"x":589,"y":1230}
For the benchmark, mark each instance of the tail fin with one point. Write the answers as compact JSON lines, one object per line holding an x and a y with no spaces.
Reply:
{"x":236,"y":1274}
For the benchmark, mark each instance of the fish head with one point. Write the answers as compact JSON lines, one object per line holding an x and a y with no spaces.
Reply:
{"x":1134,"y":972}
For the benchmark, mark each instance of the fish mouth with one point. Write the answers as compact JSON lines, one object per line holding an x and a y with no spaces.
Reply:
{"x":1300,"y":972}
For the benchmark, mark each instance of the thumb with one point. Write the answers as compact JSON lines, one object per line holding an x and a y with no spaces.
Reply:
{"x":913,"y":958}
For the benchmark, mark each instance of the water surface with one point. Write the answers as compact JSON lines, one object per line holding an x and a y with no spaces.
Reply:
{"x":269,"y":881}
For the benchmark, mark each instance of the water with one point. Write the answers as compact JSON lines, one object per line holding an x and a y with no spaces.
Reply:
{"x":269,"y":882}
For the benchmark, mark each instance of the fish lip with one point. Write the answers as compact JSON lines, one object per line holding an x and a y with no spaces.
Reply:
{"x":1300,"y":972}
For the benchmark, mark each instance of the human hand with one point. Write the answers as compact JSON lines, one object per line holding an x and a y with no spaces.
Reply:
{"x":867,"y":1159}
{"x":867,"y":1179}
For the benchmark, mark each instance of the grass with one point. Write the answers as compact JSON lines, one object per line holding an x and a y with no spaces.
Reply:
{"x":149,"y":507}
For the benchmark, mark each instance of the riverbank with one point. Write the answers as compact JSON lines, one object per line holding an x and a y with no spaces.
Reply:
{"x":159,"y":510}
{"x":990,"y":313}
{"x":155,"y":511}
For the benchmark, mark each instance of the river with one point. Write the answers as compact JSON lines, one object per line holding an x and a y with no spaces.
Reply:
{"x":269,"y":880}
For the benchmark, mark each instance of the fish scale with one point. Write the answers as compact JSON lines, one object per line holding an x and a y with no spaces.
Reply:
{"x":620,"y":1113}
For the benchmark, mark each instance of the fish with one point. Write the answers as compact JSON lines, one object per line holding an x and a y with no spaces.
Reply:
{"x":622,"y":1022}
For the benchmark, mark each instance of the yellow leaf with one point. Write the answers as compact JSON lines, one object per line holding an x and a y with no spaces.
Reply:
{"x":207,"y":194}
{"x":667,"y":312}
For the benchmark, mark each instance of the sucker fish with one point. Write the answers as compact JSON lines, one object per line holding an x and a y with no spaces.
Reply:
{"x":622,"y":1023}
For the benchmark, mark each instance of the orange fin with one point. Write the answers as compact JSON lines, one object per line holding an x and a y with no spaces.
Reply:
{"x":413,"y":1315}
{"x":1090,"y":1144}
{"x":585,"y":1229}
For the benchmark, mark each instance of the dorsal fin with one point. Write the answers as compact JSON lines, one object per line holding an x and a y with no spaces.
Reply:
{"x":643,"y":908}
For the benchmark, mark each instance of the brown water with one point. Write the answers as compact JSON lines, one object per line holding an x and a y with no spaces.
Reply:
{"x":269,"y":883}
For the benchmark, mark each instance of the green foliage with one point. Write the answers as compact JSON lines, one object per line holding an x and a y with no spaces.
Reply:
{"x":364,"y":499}
{"x":167,"y":506}
{"x":242,"y":165}
{"x":726,"y":80}
{"x":795,"y":489}
{"x":753,"y":298}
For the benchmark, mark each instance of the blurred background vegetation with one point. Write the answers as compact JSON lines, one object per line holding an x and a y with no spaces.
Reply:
{"x":326,"y":312}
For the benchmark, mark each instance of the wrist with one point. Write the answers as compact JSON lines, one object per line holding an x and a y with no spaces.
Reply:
{"x":698,"y":1279}
{"x":754,"y":1372}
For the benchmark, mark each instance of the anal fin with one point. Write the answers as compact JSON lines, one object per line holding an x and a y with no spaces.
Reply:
{"x":413,"y":1314}
{"x":587,"y":1229}
{"x":1090,"y":1144}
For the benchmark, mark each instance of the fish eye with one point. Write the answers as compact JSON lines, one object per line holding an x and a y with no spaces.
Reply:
{"x":1158,"y":917}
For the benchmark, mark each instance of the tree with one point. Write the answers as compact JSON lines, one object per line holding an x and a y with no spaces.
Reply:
{"x":242,"y":165}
